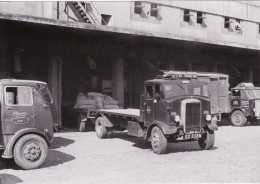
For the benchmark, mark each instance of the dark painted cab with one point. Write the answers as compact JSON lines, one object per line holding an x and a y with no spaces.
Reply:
{"x":245,"y":103}
{"x":27,"y":121}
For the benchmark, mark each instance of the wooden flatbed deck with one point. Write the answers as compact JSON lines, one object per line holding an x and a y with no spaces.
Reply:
{"x":122,"y":112}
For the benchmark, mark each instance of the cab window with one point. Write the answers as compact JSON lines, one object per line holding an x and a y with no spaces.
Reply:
{"x":236,"y":93}
{"x":158,"y":90}
{"x":20,"y":95}
{"x":38,"y":100}
{"x":149,"y":92}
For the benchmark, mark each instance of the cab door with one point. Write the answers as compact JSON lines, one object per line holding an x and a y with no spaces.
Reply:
{"x":149,"y":105}
{"x":17,"y":109}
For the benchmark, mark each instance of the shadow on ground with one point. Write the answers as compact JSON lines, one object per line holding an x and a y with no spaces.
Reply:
{"x":9,"y":179}
{"x":59,"y":142}
{"x":171,"y":147}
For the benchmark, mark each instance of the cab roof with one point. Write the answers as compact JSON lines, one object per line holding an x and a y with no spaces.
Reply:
{"x":20,"y":82}
{"x":170,"y":81}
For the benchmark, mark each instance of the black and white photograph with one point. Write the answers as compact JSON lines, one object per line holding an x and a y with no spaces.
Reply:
{"x":131,"y":92}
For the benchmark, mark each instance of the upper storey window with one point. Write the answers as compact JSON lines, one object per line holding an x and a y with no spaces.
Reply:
{"x":138,"y":7}
{"x":154,"y":10}
{"x":227,"y":23}
{"x":186,"y":16}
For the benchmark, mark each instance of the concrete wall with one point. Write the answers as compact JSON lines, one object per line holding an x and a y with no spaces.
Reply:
{"x":169,"y":20}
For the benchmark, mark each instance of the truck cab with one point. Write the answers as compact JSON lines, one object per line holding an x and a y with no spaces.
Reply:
{"x":27,"y":121}
{"x":245,"y":103}
{"x":175,"y":107}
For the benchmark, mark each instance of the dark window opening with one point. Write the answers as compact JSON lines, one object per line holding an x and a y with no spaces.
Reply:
{"x":105,"y":19}
{"x":199,"y":18}
{"x":154,"y":10}
{"x":18,"y":96}
{"x":186,"y":17}
{"x":238,"y":27}
{"x":149,"y":92}
{"x":138,"y":7}
{"x":259,"y":28}
{"x":227,"y":23}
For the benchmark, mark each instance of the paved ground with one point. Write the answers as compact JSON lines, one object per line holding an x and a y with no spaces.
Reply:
{"x":83,"y":158}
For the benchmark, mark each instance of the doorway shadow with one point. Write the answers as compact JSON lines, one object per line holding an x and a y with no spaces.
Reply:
{"x":139,"y":142}
{"x":9,"y":179}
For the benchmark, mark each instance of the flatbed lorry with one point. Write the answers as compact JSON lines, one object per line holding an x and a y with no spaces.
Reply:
{"x":175,"y":107}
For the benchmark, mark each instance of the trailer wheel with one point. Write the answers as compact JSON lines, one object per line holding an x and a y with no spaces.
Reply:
{"x":238,"y":118}
{"x":207,"y":140}
{"x":158,"y":141}
{"x":30,"y":151}
{"x":100,"y":129}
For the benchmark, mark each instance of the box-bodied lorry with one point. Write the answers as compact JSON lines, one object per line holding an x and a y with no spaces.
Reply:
{"x":175,"y":107}
{"x":240,"y":104}
{"x":27,"y":121}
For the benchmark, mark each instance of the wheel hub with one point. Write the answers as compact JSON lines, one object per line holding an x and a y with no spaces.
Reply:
{"x":32,"y":151}
{"x":155,"y":139}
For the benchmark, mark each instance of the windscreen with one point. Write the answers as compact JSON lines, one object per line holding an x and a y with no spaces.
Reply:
{"x":252,"y":94}
{"x":172,"y":90}
{"x":45,"y":92}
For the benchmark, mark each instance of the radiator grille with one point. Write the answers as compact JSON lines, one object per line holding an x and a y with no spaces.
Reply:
{"x":192,"y":117}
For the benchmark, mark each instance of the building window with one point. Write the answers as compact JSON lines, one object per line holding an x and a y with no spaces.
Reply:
{"x":258,"y":28}
{"x":105,"y":19}
{"x":154,"y":10}
{"x":138,"y":7}
{"x":199,"y":18}
{"x":226,"y":23}
{"x":186,"y":16}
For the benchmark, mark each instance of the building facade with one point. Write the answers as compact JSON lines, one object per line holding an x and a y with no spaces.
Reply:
{"x":112,"y":47}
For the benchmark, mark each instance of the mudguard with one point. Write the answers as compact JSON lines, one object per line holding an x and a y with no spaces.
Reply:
{"x":8,"y":153}
{"x":166,"y":129}
{"x":106,"y":122}
{"x":213,"y":125}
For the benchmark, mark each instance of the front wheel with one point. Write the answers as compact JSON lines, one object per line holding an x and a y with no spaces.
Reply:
{"x":207,"y":140}
{"x":158,"y":141}
{"x":30,"y":151}
{"x":100,"y":129}
{"x":238,"y":118}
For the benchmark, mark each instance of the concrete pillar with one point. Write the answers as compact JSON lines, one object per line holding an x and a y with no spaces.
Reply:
{"x":118,"y":80}
{"x":190,"y":66}
{"x":54,"y":83}
{"x":171,"y":65}
{"x":215,"y":68}
{"x":250,"y":75}
{"x":4,"y":54}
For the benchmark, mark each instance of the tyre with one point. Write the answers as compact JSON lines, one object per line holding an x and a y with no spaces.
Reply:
{"x":30,"y":151}
{"x":82,"y":126}
{"x":238,"y":118}
{"x":158,"y":141}
{"x":207,"y":140}
{"x":100,"y":129}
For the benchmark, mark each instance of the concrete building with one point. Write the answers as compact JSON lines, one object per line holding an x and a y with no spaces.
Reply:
{"x":95,"y":46}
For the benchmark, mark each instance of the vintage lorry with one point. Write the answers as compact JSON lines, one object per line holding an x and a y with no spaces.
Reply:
{"x":27,"y":121}
{"x":245,"y":104}
{"x":240,"y":104}
{"x":175,"y":107}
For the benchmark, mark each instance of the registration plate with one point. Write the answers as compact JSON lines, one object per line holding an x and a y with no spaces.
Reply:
{"x":192,"y":136}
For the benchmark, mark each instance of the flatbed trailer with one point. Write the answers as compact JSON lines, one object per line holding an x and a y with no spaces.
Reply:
{"x":171,"y":110}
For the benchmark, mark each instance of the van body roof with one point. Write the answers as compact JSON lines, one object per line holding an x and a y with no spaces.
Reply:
{"x":20,"y":82}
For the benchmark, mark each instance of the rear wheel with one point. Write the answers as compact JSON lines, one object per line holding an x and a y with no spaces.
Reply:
{"x":30,"y":151}
{"x":207,"y":140}
{"x":238,"y":118}
{"x":158,"y":141}
{"x":100,"y":129}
